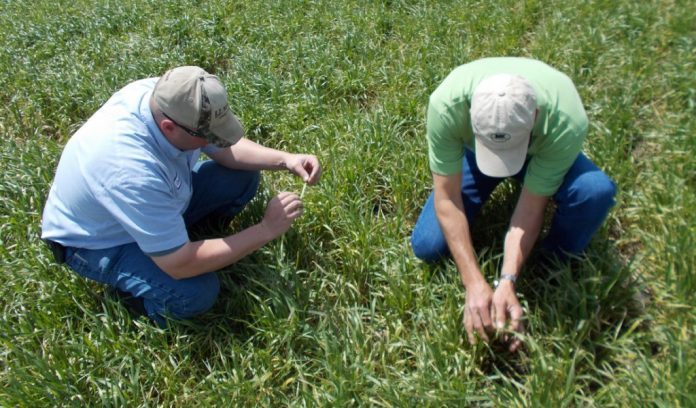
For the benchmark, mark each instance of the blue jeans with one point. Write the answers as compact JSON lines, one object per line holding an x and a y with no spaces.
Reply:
{"x":217,"y":191}
{"x":582,"y":204}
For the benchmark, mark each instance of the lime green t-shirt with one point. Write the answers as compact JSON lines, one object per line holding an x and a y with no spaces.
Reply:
{"x":557,"y":136}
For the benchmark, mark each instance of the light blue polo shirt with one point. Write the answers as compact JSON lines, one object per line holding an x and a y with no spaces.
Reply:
{"x":119,"y":180}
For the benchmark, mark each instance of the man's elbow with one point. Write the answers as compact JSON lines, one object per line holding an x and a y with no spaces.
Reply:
{"x":176,"y":264}
{"x":176,"y":272}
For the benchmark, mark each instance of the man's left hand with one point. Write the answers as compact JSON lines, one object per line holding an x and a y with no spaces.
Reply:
{"x":506,"y":308}
{"x":305,"y":166}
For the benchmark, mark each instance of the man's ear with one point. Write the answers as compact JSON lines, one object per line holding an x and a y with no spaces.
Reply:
{"x":167,"y":126}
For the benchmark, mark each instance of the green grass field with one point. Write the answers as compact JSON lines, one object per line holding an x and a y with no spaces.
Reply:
{"x":339,"y":312}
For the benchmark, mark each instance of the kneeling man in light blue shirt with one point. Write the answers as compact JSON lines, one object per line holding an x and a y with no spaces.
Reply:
{"x":129,"y":182}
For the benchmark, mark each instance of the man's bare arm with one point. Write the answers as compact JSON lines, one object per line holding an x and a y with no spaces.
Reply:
{"x":249,"y":155}
{"x":199,"y":257}
{"x":524,"y":230}
{"x":450,"y":213}
{"x":522,"y":234}
{"x":452,"y":218}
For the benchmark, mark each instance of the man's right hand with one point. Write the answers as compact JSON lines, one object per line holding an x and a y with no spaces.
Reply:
{"x":281,"y":211}
{"x":477,"y":315}
{"x":505,"y":304}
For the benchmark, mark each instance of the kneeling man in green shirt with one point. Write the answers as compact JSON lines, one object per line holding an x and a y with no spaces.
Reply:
{"x":507,"y":117}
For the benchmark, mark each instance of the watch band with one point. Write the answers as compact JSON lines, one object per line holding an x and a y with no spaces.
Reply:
{"x":505,"y":276}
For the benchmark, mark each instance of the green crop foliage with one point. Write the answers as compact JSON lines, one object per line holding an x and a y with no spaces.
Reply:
{"x":339,"y":312}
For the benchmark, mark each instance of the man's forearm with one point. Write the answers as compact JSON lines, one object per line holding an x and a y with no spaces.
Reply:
{"x":249,"y":155}
{"x":518,"y":244}
{"x":449,"y":209}
{"x":196,"y":258}
{"x":456,"y":230}
{"x":525,"y":226}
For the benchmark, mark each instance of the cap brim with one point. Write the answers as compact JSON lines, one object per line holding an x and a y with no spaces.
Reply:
{"x":228,"y":131}
{"x":500,"y":163}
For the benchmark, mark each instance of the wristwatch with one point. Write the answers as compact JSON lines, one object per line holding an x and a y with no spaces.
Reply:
{"x":503,"y":277}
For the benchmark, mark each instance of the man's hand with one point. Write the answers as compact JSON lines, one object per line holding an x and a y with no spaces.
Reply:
{"x":506,"y":308}
{"x":477,"y":318}
{"x":305,"y":166}
{"x":281,"y":211}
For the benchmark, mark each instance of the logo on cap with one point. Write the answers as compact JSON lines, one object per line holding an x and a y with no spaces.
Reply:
{"x":499,"y":137}
{"x":221,"y":111}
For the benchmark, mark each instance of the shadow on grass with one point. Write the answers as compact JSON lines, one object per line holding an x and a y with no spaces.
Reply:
{"x":263,"y":297}
{"x":589,"y":302}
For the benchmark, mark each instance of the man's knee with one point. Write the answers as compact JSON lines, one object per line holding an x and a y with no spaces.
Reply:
{"x":603,"y":191}
{"x":198,"y":295}
{"x":252,"y":180}
{"x":426,"y":249}
{"x":248,"y":184}
{"x":594,"y":190}
{"x":247,"y":180}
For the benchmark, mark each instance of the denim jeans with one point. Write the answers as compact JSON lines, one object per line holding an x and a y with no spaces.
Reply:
{"x":582,"y":204}
{"x":217,"y":191}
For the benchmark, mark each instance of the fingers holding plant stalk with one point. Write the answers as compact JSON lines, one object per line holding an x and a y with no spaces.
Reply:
{"x":508,"y":314}
{"x":281,"y":212}
{"x":283,"y":209}
{"x":305,"y":166}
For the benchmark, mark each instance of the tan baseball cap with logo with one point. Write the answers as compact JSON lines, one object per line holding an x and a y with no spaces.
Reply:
{"x":503,"y":111}
{"x":197,"y":101}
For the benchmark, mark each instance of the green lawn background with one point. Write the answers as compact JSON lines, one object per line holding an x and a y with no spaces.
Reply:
{"x":339,"y":312}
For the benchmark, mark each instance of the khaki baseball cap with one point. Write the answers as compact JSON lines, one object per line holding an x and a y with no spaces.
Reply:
{"x":503,"y":110}
{"x":197,"y":101}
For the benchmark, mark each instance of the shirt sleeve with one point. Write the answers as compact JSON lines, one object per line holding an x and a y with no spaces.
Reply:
{"x":445,"y":134}
{"x":211,"y":149}
{"x":548,"y":167}
{"x":145,"y":208}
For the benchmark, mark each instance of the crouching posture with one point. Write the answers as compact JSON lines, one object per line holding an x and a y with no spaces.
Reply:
{"x":129,"y":183}
{"x":497,"y":118}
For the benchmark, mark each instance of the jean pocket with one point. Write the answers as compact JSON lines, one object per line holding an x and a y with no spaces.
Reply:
{"x":87,"y":263}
